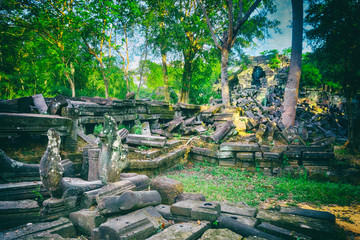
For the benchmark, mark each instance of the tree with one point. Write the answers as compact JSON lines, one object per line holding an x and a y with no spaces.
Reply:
{"x":190,"y":33}
{"x":292,"y":84}
{"x":231,"y":22}
{"x":334,"y":36}
{"x":54,"y":22}
{"x":160,"y":34}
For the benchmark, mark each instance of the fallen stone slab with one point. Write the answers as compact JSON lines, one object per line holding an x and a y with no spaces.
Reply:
{"x":22,"y":190}
{"x":243,"y":229}
{"x":114,"y":189}
{"x":220,"y":234}
{"x":37,"y":124}
{"x":85,"y":220}
{"x":141,"y":182}
{"x":15,"y":171}
{"x":140,"y":224}
{"x":54,"y":207}
{"x":168,"y":188}
{"x":240,"y":147}
{"x":296,"y":148}
{"x":318,"y":156}
{"x":281,"y":232}
{"x":128,"y":201}
{"x":76,"y":186}
{"x":207,"y":211}
{"x":221,"y":131}
{"x":315,"y":228}
{"x":62,"y":227}
{"x":250,"y":221}
{"x":240,"y":208}
{"x":144,"y":140}
{"x":196,"y":210}
{"x":14,"y":213}
{"x":309,"y":213}
{"x":182,"y":231}
{"x":164,"y":211}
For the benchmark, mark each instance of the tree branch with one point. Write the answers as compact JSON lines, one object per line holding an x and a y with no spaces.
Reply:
{"x":246,"y":16}
{"x":209,"y":24}
{"x":240,"y":11}
{"x":231,"y":21}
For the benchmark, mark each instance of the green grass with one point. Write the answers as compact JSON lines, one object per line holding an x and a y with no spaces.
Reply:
{"x":233,"y":185}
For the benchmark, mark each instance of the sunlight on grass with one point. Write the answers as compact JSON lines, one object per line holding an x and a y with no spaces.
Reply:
{"x":227,"y":184}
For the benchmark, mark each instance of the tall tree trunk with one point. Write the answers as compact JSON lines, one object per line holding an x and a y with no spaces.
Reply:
{"x":106,"y":82}
{"x":68,"y":77}
{"x":186,"y":79}
{"x":165,"y":76}
{"x":142,"y":65}
{"x":225,"y":93}
{"x":292,"y":85}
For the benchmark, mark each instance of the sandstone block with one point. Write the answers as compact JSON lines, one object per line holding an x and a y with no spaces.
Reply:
{"x":168,"y":188}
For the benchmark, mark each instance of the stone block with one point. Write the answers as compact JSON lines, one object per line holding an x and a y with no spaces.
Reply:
{"x":240,"y":147}
{"x":292,"y":155}
{"x":76,"y":186}
{"x":142,"y":182}
{"x":183,"y":231}
{"x":164,"y":211}
{"x":237,"y":209}
{"x":62,"y":227}
{"x":85,"y":220}
{"x":114,"y":189}
{"x":140,"y":224}
{"x":309,"y":213}
{"x":315,"y":228}
{"x":271,"y":156}
{"x":184,"y":208}
{"x":206,"y":211}
{"x":227,"y":162}
{"x":281,"y":232}
{"x":296,"y":148}
{"x":258,"y":156}
{"x":168,"y":188}
{"x":220,"y":234}
{"x":93,"y":158}
{"x":243,"y":229}
{"x":196,"y":210}
{"x":14,"y":213}
{"x":245,"y":157}
{"x":128,"y":201}
{"x":318,"y":156}
{"x":250,"y":221}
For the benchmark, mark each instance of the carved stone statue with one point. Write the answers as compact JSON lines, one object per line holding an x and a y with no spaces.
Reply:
{"x":113,"y":156}
{"x":51,"y":169}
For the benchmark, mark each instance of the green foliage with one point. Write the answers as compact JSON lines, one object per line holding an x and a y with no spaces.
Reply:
{"x":287,"y":52}
{"x":144,"y":148}
{"x":38,"y":196}
{"x":274,"y":62}
{"x":137,"y":129}
{"x":336,"y":50}
{"x":97,"y":129}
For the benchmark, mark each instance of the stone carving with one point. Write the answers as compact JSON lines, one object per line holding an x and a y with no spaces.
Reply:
{"x":51,"y":169}
{"x":113,"y":156}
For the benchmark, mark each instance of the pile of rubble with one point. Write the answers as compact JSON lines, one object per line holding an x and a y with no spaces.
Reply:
{"x":128,"y":210}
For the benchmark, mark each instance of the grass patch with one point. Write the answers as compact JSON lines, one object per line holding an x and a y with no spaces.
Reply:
{"x":233,"y":185}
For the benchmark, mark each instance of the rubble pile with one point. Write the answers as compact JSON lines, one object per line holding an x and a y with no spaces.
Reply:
{"x":128,"y":209}
{"x":315,"y":124}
